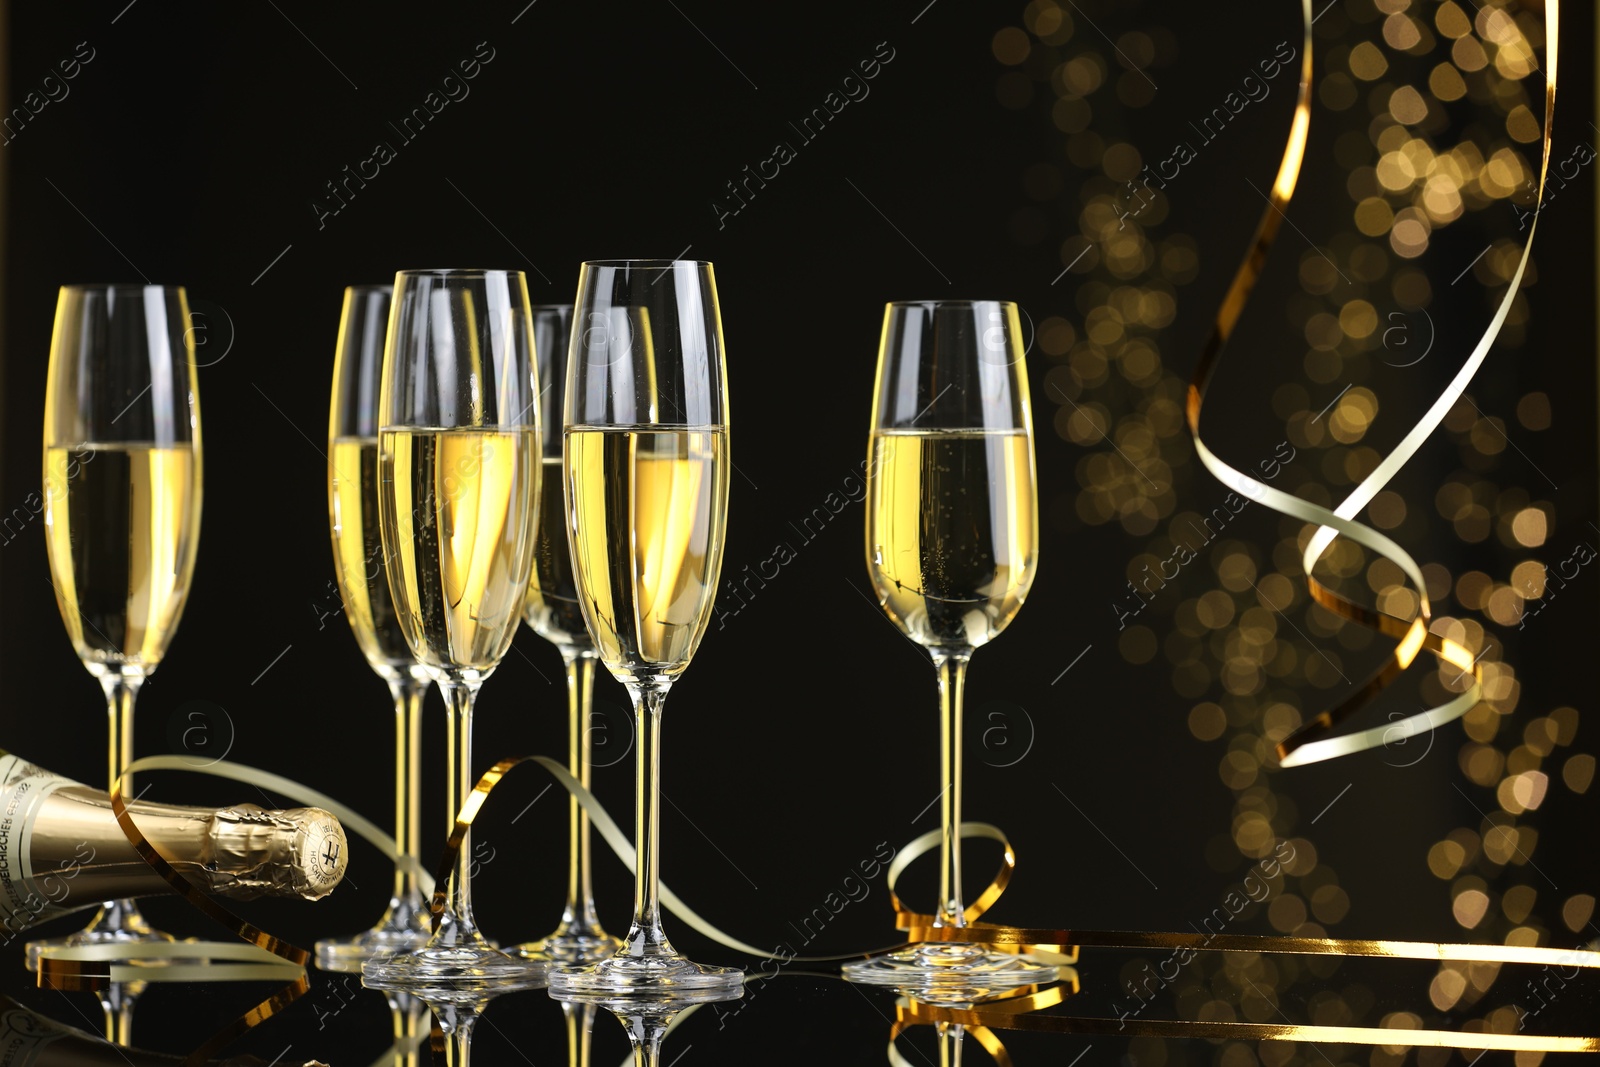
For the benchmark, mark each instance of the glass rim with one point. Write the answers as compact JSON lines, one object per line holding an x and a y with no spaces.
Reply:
{"x":118,"y":287}
{"x":455,"y":272}
{"x":947,"y":303}
{"x":549,"y":307}
{"x":369,"y":289}
{"x":646,"y":264}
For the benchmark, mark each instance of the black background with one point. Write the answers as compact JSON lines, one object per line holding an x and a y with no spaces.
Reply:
{"x":190,"y":151}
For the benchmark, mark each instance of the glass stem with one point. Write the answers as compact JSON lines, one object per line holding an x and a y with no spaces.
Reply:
{"x":580,"y":1025}
{"x":122,"y":691}
{"x":952,"y":667}
{"x":646,"y":938}
{"x":459,"y":1053}
{"x":458,"y":926}
{"x":950,"y":1035}
{"x":578,"y":916}
{"x":406,"y":1018}
{"x":120,"y":917}
{"x":457,"y":1025}
{"x":408,"y":696}
{"x":645,"y":1033}
{"x":116,"y":1001}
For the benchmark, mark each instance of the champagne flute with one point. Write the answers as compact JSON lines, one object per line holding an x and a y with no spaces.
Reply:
{"x":364,"y":588}
{"x":552,"y":612}
{"x":458,"y":453}
{"x":646,"y":471}
{"x":952,"y":541}
{"x":122,"y":495}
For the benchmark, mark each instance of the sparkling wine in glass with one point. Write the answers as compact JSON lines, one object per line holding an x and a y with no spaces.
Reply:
{"x":458,"y":488}
{"x":552,"y":612}
{"x":646,"y":467}
{"x":121,"y":506}
{"x":952,"y":543}
{"x":359,"y":567}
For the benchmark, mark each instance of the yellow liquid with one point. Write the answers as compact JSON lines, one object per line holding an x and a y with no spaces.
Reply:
{"x":460,"y":507}
{"x":646,"y":522}
{"x":552,"y":608}
{"x":952,"y":532}
{"x":122,"y":523}
{"x":358,"y":558}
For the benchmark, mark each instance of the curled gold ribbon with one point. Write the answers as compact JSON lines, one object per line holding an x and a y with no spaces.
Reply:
{"x":1314,"y":741}
{"x":262,"y":956}
{"x":609,"y":831}
{"x":1438,"y":951}
{"x":1053,"y":945}
{"x":216,"y":960}
{"x":256,"y":956}
{"x":1025,"y":999}
{"x":982,"y":1034}
{"x":920,"y":927}
{"x":1017,"y":1010}
{"x":613,"y":836}
{"x":251,"y":1019}
{"x":92,"y":966}
{"x":151,"y":853}
{"x":993,"y":1018}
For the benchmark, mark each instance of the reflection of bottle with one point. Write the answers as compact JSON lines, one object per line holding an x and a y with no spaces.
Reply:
{"x":28,"y":1039}
{"x":61,"y":848}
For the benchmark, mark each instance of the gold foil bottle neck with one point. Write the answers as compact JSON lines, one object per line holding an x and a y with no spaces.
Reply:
{"x":254,"y":852}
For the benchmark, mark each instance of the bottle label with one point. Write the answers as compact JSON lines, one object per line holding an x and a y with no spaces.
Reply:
{"x":23,"y":1035}
{"x":24,"y":899}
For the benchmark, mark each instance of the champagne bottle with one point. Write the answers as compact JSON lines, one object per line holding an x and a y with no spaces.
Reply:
{"x":61,"y":848}
{"x":28,"y":1039}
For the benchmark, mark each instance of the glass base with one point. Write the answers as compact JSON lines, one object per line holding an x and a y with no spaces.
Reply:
{"x":118,"y":922}
{"x":352,"y":953}
{"x":457,"y":966}
{"x":937,"y":971}
{"x":571,"y":949}
{"x":455,"y":1005}
{"x":659,"y":978}
{"x":405,"y":927}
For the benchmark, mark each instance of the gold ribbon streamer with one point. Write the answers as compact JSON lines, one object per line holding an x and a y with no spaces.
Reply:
{"x":251,"y":1019}
{"x":1054,"y":945}
{"x":1006,"y":936}
{"x":612,"y":834}
{"x":256,"y":959}
{"x":1025,"y":999}
{"x":920,"y":927}
{"x":250,"y":962}
{"x":92,"y":966}
{"x":1003,"y":1015}
{"x":181,"y":885}
{"x":260,"y":957}
{"x":601,"y":820}
{"x":1312,"y":742}
{"x":1061,"y":946}
{"x":984,"y":1036}
{"x":1014,"y":1010}
{"x":1302,"y":746}
{"x":993,"y":1018}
